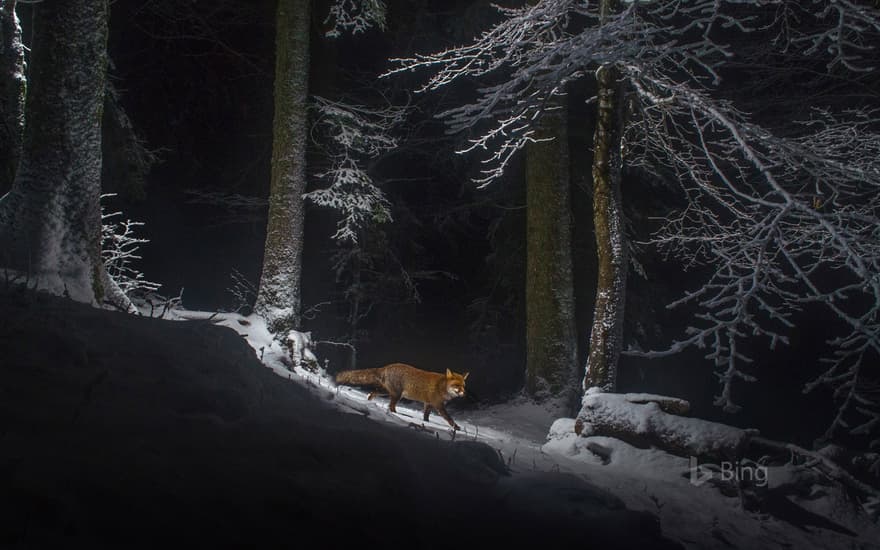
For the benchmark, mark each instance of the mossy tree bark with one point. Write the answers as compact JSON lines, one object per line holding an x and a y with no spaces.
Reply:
{"x":606,"y":335}
{"x":279,"y":296}
{"x":551,"y":348}
{"x":12,"y":93}
{"x":50,"y":221}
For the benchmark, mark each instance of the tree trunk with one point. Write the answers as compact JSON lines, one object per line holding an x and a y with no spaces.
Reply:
{"x":126,"y":161}
{"x":607,"y":332}
{"x":12,"y":88}
{"x":551,"y":351}
{"x":354,"y":313}
{"x":50,"y":221}
{"x":278,"y":300}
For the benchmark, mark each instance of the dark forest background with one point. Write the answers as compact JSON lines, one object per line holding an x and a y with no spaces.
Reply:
{"x":195,"y":79}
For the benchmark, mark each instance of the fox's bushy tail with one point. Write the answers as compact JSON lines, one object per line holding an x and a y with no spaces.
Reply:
{"x":365,"y":377}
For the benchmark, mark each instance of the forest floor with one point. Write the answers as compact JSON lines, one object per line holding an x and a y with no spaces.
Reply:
{"x":120,"y":430}
{"x":529,"y":437}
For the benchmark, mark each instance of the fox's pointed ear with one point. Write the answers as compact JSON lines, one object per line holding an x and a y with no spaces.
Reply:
{"x":448,"y":373}
{"x":464,"y":376}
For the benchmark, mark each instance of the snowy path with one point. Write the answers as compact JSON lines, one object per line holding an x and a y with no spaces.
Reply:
{"x":697,"y":516}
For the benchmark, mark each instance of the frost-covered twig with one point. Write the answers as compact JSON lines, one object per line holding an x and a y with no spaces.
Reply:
{"x":531,"y":55}
{"x":160,"y":306}
{"x":244,"y":292}
{"x":119,"y":251}
{"x":355,"y":16}
{"x":842,"y":29}
{"x":786,"y":221}
{"x":353,"y":135}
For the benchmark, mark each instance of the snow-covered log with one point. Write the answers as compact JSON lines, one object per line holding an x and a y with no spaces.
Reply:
{"x":646,"y":420}
{"x":672,"y":405}
{"x":640,"y":419}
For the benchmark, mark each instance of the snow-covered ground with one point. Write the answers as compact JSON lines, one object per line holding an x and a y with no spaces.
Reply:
{"x":529,"y":438}
{"x":116,"y":427}
{"x":119,"y":430}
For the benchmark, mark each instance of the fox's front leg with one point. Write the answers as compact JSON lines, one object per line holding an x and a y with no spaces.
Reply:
{"x":427,"y":411}
{"x":444,"y":414}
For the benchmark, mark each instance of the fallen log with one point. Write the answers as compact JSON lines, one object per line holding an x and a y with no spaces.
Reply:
{"x":671,"y":405}
{"x":642,"y":422}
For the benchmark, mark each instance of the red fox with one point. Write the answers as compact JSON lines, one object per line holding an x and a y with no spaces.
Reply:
{"x":400,"y":380}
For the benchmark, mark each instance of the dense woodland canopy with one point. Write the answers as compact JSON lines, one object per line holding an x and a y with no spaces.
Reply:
{"x":438,"y":271}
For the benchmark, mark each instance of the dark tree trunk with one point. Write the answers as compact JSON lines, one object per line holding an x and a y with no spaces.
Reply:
{"x":126,"y":161}
{"x":279,"y":296}
{"x":607,"y":332}
{"x":12,"y":93}
{"x":50,"y":221}
{"x":551,"y":349}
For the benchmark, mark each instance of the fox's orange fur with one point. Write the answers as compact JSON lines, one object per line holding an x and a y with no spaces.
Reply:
{"x":399,"y":380}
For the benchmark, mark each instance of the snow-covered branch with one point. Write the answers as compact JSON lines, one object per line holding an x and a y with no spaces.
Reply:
{"x":243,"y":291}
{"x":119,"y":251}
{"x":786,"y":217}
{"x":353,"y":135}
{"x":785,"y":221}
{"x":355,"y":16}
{"x":531,"y":55}
{"x":841,"y":28}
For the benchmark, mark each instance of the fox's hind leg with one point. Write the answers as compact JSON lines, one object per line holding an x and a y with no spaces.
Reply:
{"x":392,"y":405}
{"x":427,"y":411}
